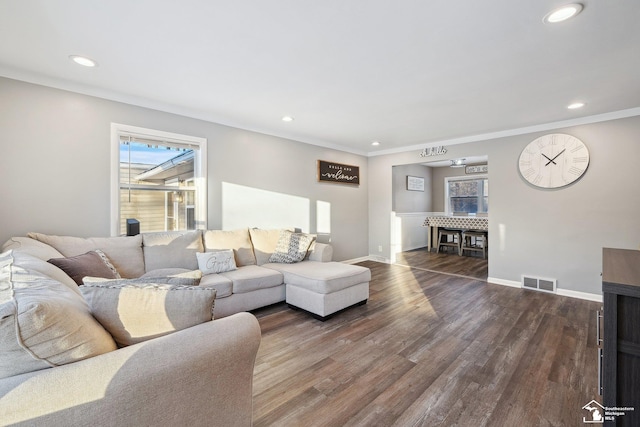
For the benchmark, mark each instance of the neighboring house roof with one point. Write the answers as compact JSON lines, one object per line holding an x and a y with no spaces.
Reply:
{"x":177,"y":166}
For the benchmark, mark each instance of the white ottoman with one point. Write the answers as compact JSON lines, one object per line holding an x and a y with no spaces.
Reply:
{"x":324,"y":288}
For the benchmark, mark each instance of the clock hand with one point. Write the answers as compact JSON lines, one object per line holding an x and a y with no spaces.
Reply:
{"x":552,"y":160}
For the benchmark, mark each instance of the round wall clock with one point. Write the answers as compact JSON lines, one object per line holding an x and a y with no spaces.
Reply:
{"x":553,"y":160}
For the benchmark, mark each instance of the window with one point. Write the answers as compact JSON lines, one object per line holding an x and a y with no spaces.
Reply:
{"x":469,"y":195}
{"x":158,"y":178}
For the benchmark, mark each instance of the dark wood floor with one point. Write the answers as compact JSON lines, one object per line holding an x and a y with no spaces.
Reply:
{"x":471,"y":265}
{"x":429,"y":349}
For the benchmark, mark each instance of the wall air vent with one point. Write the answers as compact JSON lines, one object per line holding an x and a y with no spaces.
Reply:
{"x":539,"y":284}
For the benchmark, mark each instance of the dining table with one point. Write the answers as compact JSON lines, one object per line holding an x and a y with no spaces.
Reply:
{"x":470,"y":222}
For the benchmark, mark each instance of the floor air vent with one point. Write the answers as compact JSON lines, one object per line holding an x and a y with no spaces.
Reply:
{"x":539,"y":284}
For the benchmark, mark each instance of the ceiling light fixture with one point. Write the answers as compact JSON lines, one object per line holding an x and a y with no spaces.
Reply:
{"x":287,"y":119}
{"x":458,"y":163}
{"x":576,"y":105}
{"x":563,"y":13}
{"x":375,"y":143}
{"x":83,"y":60}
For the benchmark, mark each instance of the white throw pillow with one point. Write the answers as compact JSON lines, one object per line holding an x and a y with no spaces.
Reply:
{"x":216,"y":261}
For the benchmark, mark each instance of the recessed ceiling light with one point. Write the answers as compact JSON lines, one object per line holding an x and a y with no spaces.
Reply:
{"x":287,"y":119}
{"x":83,"y":60}
{"x":575,"y":105}
{"x":375,"y":143}
{"x":563,"y":13}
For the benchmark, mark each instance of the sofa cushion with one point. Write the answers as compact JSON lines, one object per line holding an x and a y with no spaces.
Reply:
{"x":223,"y":285}
{"x":291,"y":247}
{"x":217,"y":261}
{"x":322,"y":277}
{"x":31,"y":263}
{"x":43,"y":323}
{"x":163,"y":272}
{"x":320,"y":252}
{"x":93,"y":263}
{"x":252,"y":277}
{"x":133,"y":313}
{"x":171,"y":249}
{"x":27,"y":245}
{"x":238,"y":240}
{"x":187,"y":278}
{"x":173,"y":276}
{"x":125,"y":252}
{"x":264,"y":243}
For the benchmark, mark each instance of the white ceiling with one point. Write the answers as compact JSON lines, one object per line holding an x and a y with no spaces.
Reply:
{"x":402,"y":72}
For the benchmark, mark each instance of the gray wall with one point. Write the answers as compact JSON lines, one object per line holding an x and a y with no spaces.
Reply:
{"x":55,"y":168}
{"x":551,"y":233}
{"x":411,"y":201}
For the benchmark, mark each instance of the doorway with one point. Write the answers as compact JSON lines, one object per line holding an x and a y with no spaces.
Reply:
{"x":449,"y":186}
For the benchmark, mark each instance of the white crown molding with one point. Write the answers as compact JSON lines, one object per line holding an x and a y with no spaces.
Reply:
{"x":56,"y":83}
{"x":36,"y":78}
{"x":621,"y":114}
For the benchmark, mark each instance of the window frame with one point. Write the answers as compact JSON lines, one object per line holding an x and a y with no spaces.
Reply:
{"x":199,"y":172}
{"x":447,"y":199}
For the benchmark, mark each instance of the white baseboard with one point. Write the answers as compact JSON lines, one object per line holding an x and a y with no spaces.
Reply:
{"x":577,"y":294}
{"x":414,"y":247}
{"x":503,"y":282}
{"x":559,"y":291}
{"x":366,"y":258}
{"x":377,"y":258}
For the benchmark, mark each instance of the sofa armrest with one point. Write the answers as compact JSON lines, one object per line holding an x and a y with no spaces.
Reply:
{"x":199,"y":376}
{"x":321,"y":252}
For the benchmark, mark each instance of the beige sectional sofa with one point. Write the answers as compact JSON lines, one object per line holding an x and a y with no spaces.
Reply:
{"x":200,"y":376}
{"x":193,"y":373}
{"x":255,"y":282}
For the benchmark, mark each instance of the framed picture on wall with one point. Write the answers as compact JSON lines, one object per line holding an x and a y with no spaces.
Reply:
{"x":415,"y":183}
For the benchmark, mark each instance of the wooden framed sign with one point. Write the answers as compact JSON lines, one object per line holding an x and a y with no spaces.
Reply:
{"x":337,"y":172}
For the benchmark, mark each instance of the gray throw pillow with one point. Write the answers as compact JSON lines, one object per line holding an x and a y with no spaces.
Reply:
{"x":291,"y":247}
{"x":93,"y":263}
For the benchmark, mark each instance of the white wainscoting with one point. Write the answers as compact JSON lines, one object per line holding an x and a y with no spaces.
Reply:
{"x":407,"y":232}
